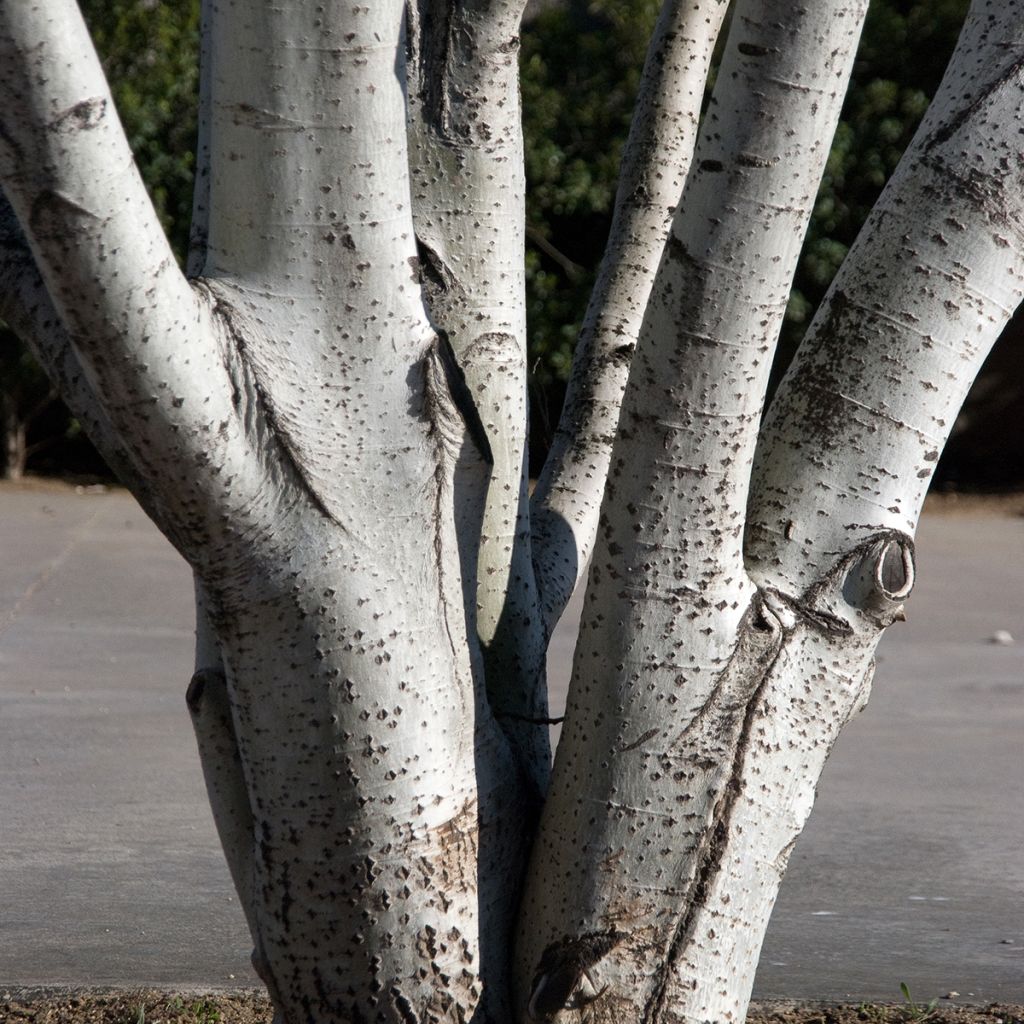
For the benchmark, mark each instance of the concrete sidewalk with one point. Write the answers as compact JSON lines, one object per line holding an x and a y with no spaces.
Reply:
{"x":110,"y":872}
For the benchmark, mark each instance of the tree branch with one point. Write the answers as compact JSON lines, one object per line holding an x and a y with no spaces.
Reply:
{"x":675,"y":642}
{"x":573,"y":271}
{"x":655,"y":165}
{"x":25,"y":305}
{"x":468,"y":206}
{"x":856,"y":429}
{"x":144,"y":341}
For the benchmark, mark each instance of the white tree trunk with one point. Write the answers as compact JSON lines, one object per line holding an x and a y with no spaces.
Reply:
{"x":687,"y":794}
{"x":262,"y":407}
{"x":330,"y":425}
{"x":675,"y":642}
{"x":655,"y":165}
{"x":468,"y":194}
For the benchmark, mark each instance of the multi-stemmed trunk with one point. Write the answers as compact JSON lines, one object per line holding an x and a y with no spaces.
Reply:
{"x":328,"y":419}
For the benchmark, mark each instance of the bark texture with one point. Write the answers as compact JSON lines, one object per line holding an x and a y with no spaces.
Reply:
{"x":654,"y":169}
{"x":328,"y":418}
{"x":676,"y":644}
{"x":468,"y":190}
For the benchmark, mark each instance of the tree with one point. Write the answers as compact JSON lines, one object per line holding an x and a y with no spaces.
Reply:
{"x":329,"y":422}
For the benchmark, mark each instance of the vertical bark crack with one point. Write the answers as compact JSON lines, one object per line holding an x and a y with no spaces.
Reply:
{"x":714,"y":841}
{"x":429,"y":47}
{"x":449,"y":408}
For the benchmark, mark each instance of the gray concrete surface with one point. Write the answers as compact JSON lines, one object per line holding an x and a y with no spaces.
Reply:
{"x":910,"y":869}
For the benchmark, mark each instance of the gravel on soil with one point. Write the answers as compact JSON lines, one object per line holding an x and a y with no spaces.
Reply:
{"x":146,"y":1006}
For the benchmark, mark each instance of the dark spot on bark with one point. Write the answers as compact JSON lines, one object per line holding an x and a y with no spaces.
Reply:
{"x":371,"y":870}
{"x":83,"y":116}
{"x":753,"y":50}
{"x":561,"y":968}
{"x":286,"y":899}
{"x":49,"y":212}
{"x":461,"y":396}
{"x":245,"y":115}
{"x":434,"y":273}
{"x":650,"y":734}
{"x":712,"y":165}
{"x":750,"y":160}
{"x":946,"y":131}
{"x":430,"y":42}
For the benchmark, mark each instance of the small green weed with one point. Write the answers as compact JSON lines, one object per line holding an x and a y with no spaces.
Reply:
{"x":870,"y":1012}
{"x":204,"y":1011}
{"x":913,"y":1011}
{"x":198,"y":1011}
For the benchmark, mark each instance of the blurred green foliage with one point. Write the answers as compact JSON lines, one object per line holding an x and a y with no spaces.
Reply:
{"x":580,"y":70}
{"x":149,"y":50}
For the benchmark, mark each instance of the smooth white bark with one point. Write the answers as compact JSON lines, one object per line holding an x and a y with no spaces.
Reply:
{"x":655,"y":164}
{"x":675,"y":642}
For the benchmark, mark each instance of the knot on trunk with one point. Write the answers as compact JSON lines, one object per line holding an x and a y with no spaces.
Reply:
{"x":198,"y":684}
{"x":449,"y":403}
{"x":863,"y":591}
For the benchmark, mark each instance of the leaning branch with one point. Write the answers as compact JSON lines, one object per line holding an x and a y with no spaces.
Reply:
{"x":26,"y":307}
{"x":690,"y":419}
{"x":675,"y":642}
{"x":655,"y":164}
{"x":68,"y":172}
{"x":855,"y":432}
